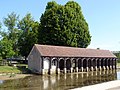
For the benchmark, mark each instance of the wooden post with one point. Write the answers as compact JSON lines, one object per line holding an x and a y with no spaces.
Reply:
{"x":82,"y":65}
{"x":87,"y":69}
{"x":100,"y":64}
{"x":43,"y":65}
{"x":115,"y":63}
{"x":50,"y":64}
{"x":96,"y":64}
{"x":104,"y":64}
{"x":65,"y":66}
{"x":111,"y":64}
{"x":71,"y":69}
{"x":92,"y":64}
{"x":58,"y":69}
{"x":76,"y":65}
{"x":107,"y":64}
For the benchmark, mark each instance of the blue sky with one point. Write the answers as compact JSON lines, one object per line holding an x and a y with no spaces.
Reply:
{"x":103,"y":17}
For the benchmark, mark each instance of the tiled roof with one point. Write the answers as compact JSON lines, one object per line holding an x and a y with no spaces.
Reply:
{"x":49,"y":50}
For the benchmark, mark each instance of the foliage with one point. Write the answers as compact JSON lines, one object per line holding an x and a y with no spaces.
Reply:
{"x":118,"y":64}
{"x":6,"y":49}
{"x":0,"y":57}
{"x":0,"y":25}
{"x":64,"y":25}
{"x":29,"y":35}
{"x":8,"y":43}
{"x":10,"y":21}
{"x":19,"y":37}
{"x":117,"y":54}
{"x":0,"y":30}
{"x":59,"y":25}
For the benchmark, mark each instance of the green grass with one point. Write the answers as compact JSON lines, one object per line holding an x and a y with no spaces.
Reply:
{"x":22,"y":65}
{"x":9,"y":69}
{"x":118,"y":64}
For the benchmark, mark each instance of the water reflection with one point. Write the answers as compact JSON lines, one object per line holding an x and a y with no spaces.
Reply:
{"x":1,"y":81}
{"x":118,"y":74}
{"x":59,"y":82}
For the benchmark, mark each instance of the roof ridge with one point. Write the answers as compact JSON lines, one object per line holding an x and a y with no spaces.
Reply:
{"x":71,"y":47}
{"x":52,"y":50}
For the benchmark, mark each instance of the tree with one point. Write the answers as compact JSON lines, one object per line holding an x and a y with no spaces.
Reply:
{"x":64,"y":25}
{"x":0,"y":29}
{"x":29,"y":35}
{"x":0,"y":39}
{"x":6,"y":49}
{"x":117,"y":54}
{"x":9,"y":37}
{"x":19,"y":37}
{"x":0,"y":25}
{"x":12,"y":33}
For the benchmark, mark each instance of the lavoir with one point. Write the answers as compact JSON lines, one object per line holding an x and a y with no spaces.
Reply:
{"x":48,"y":59}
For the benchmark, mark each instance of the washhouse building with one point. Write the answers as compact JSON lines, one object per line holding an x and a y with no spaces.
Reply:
{"x":48,"y":59}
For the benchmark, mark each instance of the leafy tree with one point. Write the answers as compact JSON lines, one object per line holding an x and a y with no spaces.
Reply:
{"x":0,"y":25}
{"x":0,"y":30}
{"x":0,"y":38}
{"x":9,"y":37}
{"x":117,"y":54}
{"x":19,"y":37}
{"x":6,"y":49}
{"x":64,"y":25}
{"x":29,"y":35}
{"x":12,"y":33}
{"x":10,"y":21}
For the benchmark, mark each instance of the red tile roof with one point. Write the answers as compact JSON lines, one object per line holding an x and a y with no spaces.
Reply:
{"x":48,"y":50}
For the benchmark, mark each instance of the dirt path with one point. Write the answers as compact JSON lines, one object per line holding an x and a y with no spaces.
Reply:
{"x":14,"y":76}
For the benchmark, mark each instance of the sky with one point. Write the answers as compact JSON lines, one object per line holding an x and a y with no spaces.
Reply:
{"x":102,"y":16}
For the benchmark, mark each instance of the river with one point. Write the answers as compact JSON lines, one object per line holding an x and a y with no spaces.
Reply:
{"x":59,"y":82}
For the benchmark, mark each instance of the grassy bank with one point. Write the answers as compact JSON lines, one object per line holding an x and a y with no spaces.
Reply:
{"x":118,"y":64}
{"x":12,"y":69}
{"x":11,"y":72}
{"x":9,"y":69}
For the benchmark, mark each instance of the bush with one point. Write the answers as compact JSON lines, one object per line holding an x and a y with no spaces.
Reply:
{"x":118,"y":61}
{"x":0,"y":61}
{"x":0,"y":58}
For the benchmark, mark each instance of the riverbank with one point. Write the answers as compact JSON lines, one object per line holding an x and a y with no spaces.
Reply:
{"x":13,"y":76}
{"x":14,"y":69}
{"x":102,"y":86}
{"x":11,"y":72}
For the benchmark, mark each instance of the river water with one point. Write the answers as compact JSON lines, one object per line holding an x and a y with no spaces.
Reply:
{"x":59,"y":82}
